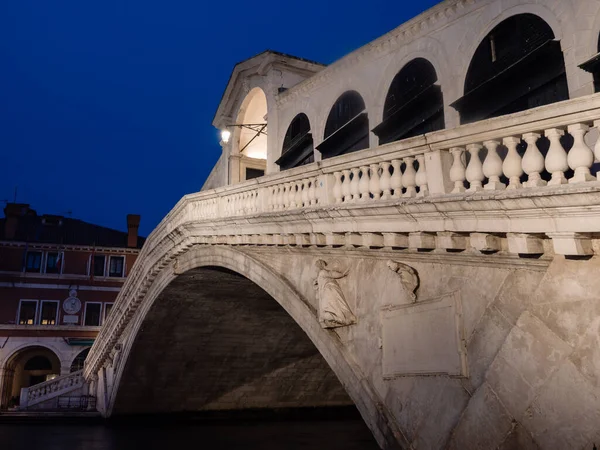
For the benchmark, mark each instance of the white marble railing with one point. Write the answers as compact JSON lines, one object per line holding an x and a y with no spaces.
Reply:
{"x":512,"y":152}
{"x":50,"y":389}
{"x":490,"y":173}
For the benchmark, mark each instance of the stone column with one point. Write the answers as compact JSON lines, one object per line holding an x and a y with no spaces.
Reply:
{"x":437,"y":165}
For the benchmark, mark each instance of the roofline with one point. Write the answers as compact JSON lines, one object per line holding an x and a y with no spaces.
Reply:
{"x":268,"y":51}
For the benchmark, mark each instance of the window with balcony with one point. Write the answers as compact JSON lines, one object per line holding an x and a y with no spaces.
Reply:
{"x":519,"y":65}
{"x":33,"y":262}
{"x":98,"y":265}
{"x":297,"y":144}
{"x":347,"y":126}
{"x":92,"y":314}
{"x":27,"y":312}
{"x":414,"y":104}
{"x":116,"y":266}
{"x":49,"y":312}
{"x":54,"y":262}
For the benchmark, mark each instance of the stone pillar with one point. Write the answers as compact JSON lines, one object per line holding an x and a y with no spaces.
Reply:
{"x":234,"y":169}
{"x":437,"y":166}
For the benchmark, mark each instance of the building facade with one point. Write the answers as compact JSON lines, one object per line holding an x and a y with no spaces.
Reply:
{"x":59,"y":278}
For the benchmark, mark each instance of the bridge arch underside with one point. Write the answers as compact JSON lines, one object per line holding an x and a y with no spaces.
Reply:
{"x":214,"y":340}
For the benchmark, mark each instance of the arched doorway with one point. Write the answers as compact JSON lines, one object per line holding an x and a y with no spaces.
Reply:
{"x":414,"y":103}
{"x":25,"y":368}
{"x":519,"y":65}
{"x":250,"y":132}
{"x":298,"y":147}
{"x":347,"y":126}
{"x":79,"y":361}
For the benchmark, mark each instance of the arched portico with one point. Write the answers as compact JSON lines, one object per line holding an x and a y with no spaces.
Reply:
{"x":299,"y":309}
{"x":24,"y":367}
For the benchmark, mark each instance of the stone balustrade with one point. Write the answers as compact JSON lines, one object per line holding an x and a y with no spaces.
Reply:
{"x":549,"y":146}
{"x":497,"y":173}
{"x":50,"y":389}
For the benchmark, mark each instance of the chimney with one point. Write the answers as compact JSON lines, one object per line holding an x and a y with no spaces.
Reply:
{"x":12,"y":212}
{"x":133,"y":223}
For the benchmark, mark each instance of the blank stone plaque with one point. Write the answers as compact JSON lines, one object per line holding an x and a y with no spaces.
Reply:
{"x":424,"y":338}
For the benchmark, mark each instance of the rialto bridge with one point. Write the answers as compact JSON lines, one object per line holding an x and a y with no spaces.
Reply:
{"x":424,"y":243}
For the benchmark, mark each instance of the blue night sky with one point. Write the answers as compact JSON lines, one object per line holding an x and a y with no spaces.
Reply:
{"x":106,"y":106}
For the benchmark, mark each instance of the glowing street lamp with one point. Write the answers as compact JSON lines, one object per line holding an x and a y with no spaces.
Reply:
{"x":225,"y":135}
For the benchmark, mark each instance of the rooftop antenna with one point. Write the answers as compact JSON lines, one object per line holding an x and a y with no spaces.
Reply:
{"x":15,"y":199}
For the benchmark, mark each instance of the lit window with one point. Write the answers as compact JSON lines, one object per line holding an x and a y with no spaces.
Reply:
{"x":49,"y":312}
{"x":33,"y":262}
{"x":98,"y":262}
{"x":116,"y":266}
{"x":27,"y":312}
{"x":53,"y":262}
{"x":92,"y":314}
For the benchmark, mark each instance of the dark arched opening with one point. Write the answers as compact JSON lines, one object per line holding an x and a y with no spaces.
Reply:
{"x":519,"y":65}
{"x":298,"y":147}
{"x":79,"y":361}
{"x":414,"y":104}
{"x":592,"y":65}
{"x":228,"y":347}
{"x":347,"y":126}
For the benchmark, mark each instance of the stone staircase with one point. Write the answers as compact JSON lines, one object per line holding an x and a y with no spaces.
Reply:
{"x":46,"y":395}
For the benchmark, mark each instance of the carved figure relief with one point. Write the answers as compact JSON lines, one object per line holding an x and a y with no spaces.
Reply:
{"x":408,"y":277}
{"x":334,"y":311}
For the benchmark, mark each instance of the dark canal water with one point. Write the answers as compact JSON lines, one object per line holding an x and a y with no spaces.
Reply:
{"x":293,"y":434}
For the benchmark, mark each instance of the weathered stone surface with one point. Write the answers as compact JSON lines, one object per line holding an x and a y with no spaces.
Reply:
{"x":530,"y":354}
{"x":484,"y":424}
{"x":566,"y":413}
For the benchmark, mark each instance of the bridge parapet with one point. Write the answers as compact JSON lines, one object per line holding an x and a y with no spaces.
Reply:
{"x":476,"y":189}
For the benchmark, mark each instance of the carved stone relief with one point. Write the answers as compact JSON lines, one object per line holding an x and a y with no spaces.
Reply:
{"x":334,"y":310}
{"x":408,"y":277}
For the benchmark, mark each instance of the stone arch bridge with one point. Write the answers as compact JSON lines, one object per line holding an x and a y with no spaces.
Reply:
{"x":452,"y":314}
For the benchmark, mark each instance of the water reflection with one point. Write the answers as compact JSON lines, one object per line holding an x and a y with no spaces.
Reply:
{"x":346,"y":434}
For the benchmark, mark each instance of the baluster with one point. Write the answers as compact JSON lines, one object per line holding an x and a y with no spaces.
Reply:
{"x":300,"y":193}
{"x":305,"y":192}
{"x":421,"y":177}
{"x":363,"y":184}
{"x":271,"y":199}
{"x":597,"y":145}
{"x":280,"y":196}
{"x":457,"y":171}
{"x":346,"y":185}
{"x":556,"y":158}
{"x":396,"y":179}
{"x":354,"y":191}
{"x":492,"y":167}
{"x":409,"y":177}
{"x":312,"y":191}
{"x":512,"y":165}
{"x":580,"y":156}
{"x":385,"y":182}
{"x":533,"y":161}
{"x":374,"y":186}
{"x":474,"y":172}
{"x":293,"y":195}
{"x":337,"y":187}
